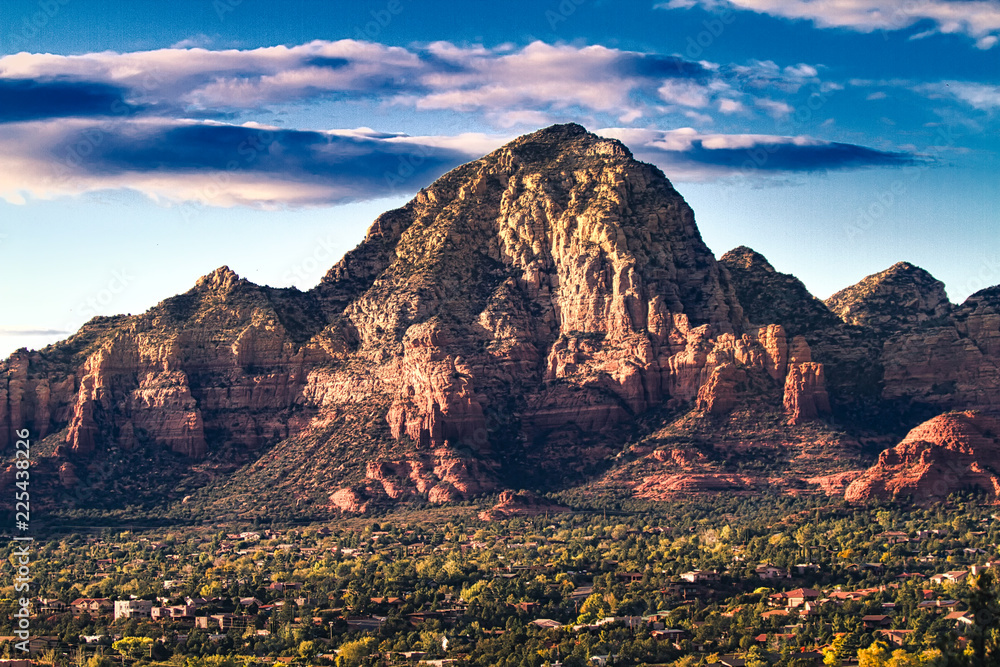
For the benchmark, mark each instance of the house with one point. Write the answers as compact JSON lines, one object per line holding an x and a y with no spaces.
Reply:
{"x":808,"y":657}
{"x":391,"y":601}
{"x":91,"y":606}
{"x":366,"y":623}
{"x":51,"y":606}
{"x":413,"y":655}
{"x":873,"y":621}
{"x":224,"y":622}
{"x":677,"y":589}
{"x":894,"y":537}
{"x":843,"y":596}
{"x":246,"y":602}
{"x":133,"y":609}
{"x":954,"y":576}
{"x":800,"y":596}
{"x":281,"y":586}
{"x":895,"y":637}
{"x":700,"y":576}
{"x":960,"y":618}
{"x":546,"y":623}
{"x":938,"y":605}
{"x":768,"y":571}
{"x":175,"y":612}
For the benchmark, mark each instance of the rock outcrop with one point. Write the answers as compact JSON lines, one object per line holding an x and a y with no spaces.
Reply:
{"x":524,"y":503}
{"x":956,"y":451}
{"x":805,"y":392}
{"x":850,"y":354}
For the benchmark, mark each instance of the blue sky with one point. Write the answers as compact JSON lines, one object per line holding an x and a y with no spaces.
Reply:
{"x":147,"y":143}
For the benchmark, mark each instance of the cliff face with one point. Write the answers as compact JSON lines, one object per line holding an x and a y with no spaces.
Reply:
{"x":956,"y":451}
{"x":514,"y":324}
{"x":950,"y":363}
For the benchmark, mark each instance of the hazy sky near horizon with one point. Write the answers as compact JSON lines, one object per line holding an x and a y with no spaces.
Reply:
{"x":144,"y":144}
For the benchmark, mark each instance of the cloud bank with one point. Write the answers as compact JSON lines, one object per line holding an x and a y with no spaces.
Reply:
{"x":161,"y":122}
{"x":221,"y":164}
{"x":440,"y":75}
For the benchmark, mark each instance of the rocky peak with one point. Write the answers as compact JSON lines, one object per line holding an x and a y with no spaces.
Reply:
{"x":549,"y":210}
{"x":564,"y":142}
{"x":221,"y":280}
{"x":899,"y":297}
{"x":746,"y":259}
{"x":770,"y":297}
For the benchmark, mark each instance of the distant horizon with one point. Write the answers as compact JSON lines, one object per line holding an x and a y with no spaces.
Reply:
{"x":146,"y":145}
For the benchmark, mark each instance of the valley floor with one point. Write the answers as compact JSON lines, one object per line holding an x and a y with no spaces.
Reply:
{"x":724,"y":581}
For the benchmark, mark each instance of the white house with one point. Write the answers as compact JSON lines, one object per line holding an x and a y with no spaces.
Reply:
{"x":133,"y":609}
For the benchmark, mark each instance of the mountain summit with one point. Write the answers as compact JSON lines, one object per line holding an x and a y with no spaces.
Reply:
{"x":517,"y":324}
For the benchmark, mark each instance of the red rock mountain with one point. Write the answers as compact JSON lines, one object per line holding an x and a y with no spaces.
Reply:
{"x":515,"y":325}
{"x":956,"y":451}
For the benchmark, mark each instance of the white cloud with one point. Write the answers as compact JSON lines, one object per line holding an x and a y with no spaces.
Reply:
{"x":201,"y":40}
{"x":982,"y":96}
{"x":774,"y":108}
{"x":507,"y":86}
{"x":730,"y":106}
{"x":766,"y":74}
{"x":505,"y":81}
{"x":685,"y":93}
{"x":979,"y":19}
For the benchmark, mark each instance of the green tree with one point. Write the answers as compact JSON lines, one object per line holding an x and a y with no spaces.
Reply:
{"x":307,"y":649}
{"x":593,"y":608}
{"x":876,"y":655}
{"x":352,"y":653}
{"x":133,"y":647}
